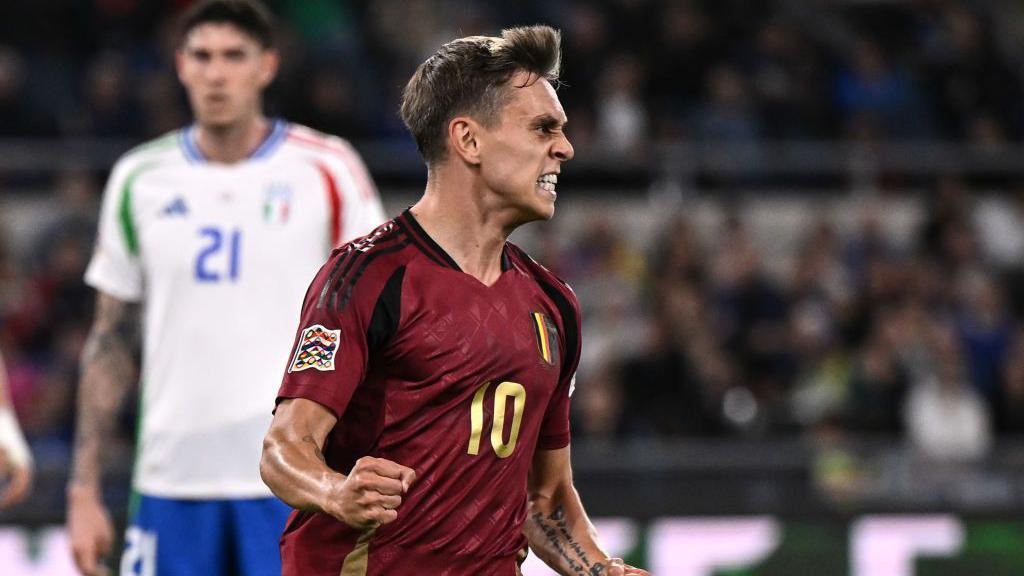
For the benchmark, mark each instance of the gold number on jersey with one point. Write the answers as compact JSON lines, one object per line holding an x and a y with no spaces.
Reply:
{"x":502,"y":393}
{"x":476,"y":419}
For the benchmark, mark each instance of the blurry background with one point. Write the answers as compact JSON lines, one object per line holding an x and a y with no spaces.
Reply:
{"x":796,"y":228}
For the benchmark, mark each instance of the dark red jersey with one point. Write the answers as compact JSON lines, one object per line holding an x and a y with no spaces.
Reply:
{"x":427,"y":367}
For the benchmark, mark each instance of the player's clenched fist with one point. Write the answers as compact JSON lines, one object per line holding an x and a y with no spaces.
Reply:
{"x":371,"y":493}
{"x":616,"y":567}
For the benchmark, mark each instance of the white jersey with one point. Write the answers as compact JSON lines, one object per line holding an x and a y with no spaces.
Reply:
{"x":220,"y":256}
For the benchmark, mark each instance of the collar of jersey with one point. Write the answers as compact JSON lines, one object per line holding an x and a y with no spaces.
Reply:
{"x":278,"y":133}
{"x":433,"y":250}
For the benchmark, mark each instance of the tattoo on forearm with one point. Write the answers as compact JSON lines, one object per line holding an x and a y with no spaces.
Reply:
{"x":560,"y":539}
{"x":107,"y":370}
{"x":316,"y":447}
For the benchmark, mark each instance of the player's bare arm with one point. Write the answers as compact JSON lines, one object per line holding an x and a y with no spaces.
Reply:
{"x":557,"y":526}
{"x":108,"y":369}
{"x":15,"y":459}
{"x":294,"y":467}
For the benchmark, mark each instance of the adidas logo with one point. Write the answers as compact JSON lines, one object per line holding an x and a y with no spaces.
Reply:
{"x":176,"y":208}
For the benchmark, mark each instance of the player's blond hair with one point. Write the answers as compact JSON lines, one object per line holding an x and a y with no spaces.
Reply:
{"x":470,"y":76}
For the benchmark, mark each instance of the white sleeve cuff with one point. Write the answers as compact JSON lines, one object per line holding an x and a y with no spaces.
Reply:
{"x":12,"y":440}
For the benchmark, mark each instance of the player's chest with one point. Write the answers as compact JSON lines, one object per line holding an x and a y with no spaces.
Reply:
{"x":207,"y":223}
{"x":473,"y":334}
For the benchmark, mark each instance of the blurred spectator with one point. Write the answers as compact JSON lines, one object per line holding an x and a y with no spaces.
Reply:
{"x":18,"y":117}
{"x":1010,"y":407}
{"x":749,"y":315}
{"x":329,"y":102}
{"x":823,"y":378}
{"x":679,"y":256}
{"x":10,"y":282}
{"x":585,"y":51}
{"x":967,"y":74}
{"x":161,"y":103}
{"x":621,"y":113}
{"x":876,"y":98}
{"x":685,"y":37}
{"x":999,"y":222}
{"x":984,"y":328}
{"x":878,"y":384}
{"x":109,"y":106}
{"x":820,"y":293}
{"x":665,"y":392}
{"x":946,"y":419}
{"x":727,"y":114}
{"x":607,"y":269}
{"x":946,"y":236}
{"x":600,"y":406}
{"x":787,"y":78}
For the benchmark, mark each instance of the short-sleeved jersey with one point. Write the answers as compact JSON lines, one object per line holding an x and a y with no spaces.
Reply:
{"x":427,"y":367}
{"x":220,"y":255}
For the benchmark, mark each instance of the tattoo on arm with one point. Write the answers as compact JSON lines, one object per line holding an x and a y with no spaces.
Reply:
{"x":558,"y":537}
{"x":107,"y":370}
{"x":316,"y":447}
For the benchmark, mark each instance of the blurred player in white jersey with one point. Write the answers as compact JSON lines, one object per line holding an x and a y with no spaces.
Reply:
{"x":215,"y":230}
{"x":15,"y":458}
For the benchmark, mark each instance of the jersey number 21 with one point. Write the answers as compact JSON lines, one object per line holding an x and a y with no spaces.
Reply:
{"x":210,"y":264}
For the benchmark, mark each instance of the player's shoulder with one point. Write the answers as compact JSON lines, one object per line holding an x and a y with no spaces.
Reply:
{"x":158,"y":150}
{"x":386,"y":238}
{"x":363,"y":265}
{"x":307,"y":141}
{"x":552,"y":284}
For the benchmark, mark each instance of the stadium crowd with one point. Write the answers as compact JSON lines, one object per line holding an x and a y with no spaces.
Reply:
{"x":639,"y":71}
{"x":690,"y":335}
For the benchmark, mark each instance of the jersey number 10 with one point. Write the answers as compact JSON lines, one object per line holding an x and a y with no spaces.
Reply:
{"x":502,"y":393}
{"x":215,"y":245}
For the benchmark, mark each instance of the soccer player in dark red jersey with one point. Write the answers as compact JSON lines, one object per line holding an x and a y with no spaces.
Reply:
{"x":423,"y":423}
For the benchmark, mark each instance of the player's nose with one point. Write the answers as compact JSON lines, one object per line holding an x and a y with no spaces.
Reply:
{"x":562,"y":149}
{"x":214,"y":70}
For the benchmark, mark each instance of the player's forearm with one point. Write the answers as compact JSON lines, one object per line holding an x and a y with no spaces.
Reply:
{"x":295,"y":471}
{"x":560,"y":533}
{"x":107,"y":370}
{"x":5,"y":400}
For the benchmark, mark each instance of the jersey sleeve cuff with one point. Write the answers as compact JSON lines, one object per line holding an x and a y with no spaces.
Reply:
{"x":555,"y":442}
{"x":321,"y":396}
{"x":126,"y":291}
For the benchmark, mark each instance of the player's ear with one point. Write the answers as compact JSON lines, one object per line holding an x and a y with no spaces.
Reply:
{"x":179,"y":64}
{"x":270,"y":60}
{"x":464,"y":139}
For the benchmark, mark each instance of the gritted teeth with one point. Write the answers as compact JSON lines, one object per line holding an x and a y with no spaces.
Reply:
{"x":548,"y":178}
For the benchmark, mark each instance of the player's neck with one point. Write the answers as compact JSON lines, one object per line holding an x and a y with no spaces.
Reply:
{"x":464,"y":228}
{"x":234,"y":142}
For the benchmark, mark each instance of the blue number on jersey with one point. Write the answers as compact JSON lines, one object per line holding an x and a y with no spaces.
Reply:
{"x":215,"y":245}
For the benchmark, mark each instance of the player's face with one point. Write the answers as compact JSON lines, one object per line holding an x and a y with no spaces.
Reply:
{"x":224,"y":71}
{"x":523,"y":154}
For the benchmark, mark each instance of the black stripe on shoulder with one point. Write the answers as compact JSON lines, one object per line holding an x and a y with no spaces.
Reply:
{"x":347,"y":257}
{"x":349,"y":284}
{"x":387,"y":313}
{"x":570,"y":324}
